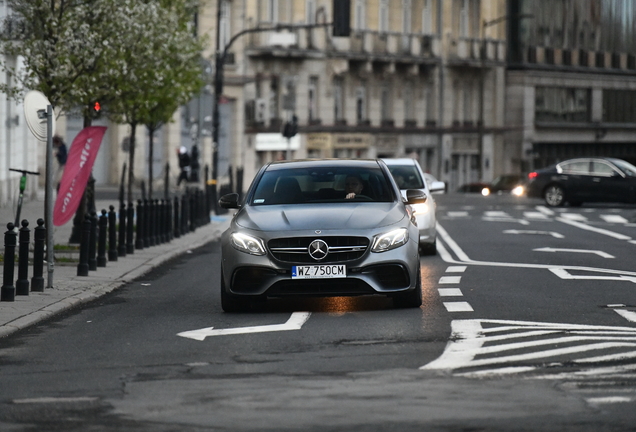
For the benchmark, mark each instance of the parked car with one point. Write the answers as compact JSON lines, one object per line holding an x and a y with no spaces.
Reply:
{"x":299,"y":232}
{"x":475,"y":187}
{"x":505,"y":184}
{"x":576,"y":181}
{"x":409,"y":175}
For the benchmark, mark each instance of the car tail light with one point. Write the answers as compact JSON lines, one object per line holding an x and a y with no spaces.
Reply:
{"x":532,"y":175}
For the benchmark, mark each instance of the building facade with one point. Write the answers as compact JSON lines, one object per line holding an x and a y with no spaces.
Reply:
{"x":571,"y":81}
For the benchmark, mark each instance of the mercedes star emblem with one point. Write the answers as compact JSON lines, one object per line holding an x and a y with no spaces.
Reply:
{"x":318,"y":249}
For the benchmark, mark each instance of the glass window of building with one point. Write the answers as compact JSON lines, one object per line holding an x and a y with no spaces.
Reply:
{"x":338,"y":99}
{"x":562,"y":104}
{"x":360,"y":15}
{"x":361,"y":103}
{"x":409,"y":105}
{"x":386,"y":102}
{"x":407,"y":13}
{"x":312,"y":96}
{"x":427,"y":17}
{"x":310,"y":7}
{"x":224,"y":24}
{"x":274,"y":96}
{"x":383,"y":24}
{"x":619,"y":106}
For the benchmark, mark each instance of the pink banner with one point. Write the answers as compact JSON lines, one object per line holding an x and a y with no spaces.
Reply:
{"x":79,"y":164}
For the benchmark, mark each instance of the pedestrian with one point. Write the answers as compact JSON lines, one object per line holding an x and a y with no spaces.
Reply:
{"x":184,"y":165}
{"x":61,"y":154}
{"x":194,"y":164}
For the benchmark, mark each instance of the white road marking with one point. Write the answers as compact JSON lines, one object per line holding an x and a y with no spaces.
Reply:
{"x":505,"y":219}
{"x":462,"y":258}
{"x":609,"y":399}
{"x":465,"y":348}
{"x":497,"y":214}
{"x":535,"y":215}
{"x":450,"y":292}
{"x":546,"y":211}
{"x":295,"y":322}
{"x":574,"y":217}
{"x":551,"y":233}
{"x":458,"y":307}
{"x":594,"y":229}
{"x":597,"y":252}
{"x":456,"y":269}
{"x":457,"y":214}
{"x":614,"y":219}
{"x":628,"y":315}
{"x":564,"y":274}
{"x":450,"y":279}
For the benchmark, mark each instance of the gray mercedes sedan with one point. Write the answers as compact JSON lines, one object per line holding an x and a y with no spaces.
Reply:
{"x":332,"y":227}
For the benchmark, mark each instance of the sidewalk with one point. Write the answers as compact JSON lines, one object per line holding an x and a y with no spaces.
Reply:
{"x":68,"y":288}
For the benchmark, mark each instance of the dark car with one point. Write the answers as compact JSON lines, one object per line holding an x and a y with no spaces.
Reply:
{"x":576,"y":181}
{"x":505,"y":184}
{"x":301,"y":232}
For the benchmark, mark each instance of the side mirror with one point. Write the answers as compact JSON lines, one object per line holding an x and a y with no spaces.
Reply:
{"x":229,"y":201}
{"x":415,"y":196}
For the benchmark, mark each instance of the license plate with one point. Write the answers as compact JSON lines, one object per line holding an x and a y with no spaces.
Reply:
{"x":319,"y":271}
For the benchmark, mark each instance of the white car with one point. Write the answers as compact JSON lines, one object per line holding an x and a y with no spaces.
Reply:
{"x":409,"y":175}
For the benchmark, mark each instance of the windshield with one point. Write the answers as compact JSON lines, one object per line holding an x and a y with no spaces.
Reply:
{"x":322,"y":184}
{"x":407,"y":176}
{"x":627,"y":168}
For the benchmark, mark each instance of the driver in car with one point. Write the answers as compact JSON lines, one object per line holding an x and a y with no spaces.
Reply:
{"x":353,"y":186}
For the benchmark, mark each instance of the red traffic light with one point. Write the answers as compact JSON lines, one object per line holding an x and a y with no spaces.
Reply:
{"x":97,"y":107}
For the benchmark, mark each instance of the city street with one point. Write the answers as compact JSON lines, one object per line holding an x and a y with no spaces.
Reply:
{"x":528,"y":324}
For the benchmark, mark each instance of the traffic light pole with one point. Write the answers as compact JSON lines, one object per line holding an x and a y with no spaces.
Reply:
{"x":220,"y":56}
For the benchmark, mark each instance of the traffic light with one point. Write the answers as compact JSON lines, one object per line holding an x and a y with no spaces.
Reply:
{"x":96,"y":110}
{"x":342,"y":18}
{"x":291,"y":128}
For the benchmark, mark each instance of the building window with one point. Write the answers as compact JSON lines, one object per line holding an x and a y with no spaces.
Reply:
{"x":311,"y":11}
{"x":271,"y":12}
{"x":619,"y":106}
{"x":383,"y":25}
{"x":429,"y":102}
{"x":274,"y":97}
{"x":558,"y":104}
{"x":468,"y":102}
{"x":457,"y":90}
{"x":463,"y":18}
{"x":360,"y":15}
{"x":338,"y":99}
{"x":386,"y":102}
{"x":427,"y":17}
{"x":406,"y":17}
{"x":409,"y":106}
{"x":361,"y":103}
{"x":312,"y":102}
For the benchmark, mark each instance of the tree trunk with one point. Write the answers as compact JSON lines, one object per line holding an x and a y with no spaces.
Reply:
{"x":131,"y":161}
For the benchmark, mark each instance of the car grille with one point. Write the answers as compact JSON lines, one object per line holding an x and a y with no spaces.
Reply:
{"x":341,"y":249}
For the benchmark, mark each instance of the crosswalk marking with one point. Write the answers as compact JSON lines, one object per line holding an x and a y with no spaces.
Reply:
{"x":613,"y":218}
{"x":574,"y":217}
{"x":450,"y":292}
{"x":450,"y":279}
{"x":474,"y":345}
{"x":535,"y":215}
{"x":458,"y":307}
{"x":456,"y":269}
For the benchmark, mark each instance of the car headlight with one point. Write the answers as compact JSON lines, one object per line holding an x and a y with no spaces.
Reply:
{"x":420,"y":208}
{"x":390,"y":240}
{"x":518,"y":191}
{"x":248,"y":244}
{"x":485,"y":191}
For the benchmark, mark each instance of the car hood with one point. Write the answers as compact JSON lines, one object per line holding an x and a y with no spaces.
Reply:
{"x":322,"y":217}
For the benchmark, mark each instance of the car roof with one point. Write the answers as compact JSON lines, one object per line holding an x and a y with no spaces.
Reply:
{"x":399,"y":161}
{"x":304,"y":163}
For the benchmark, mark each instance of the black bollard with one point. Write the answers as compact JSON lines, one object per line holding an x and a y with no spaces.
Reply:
{"x":185,"y":206}
{"x":139,"y":241}
{"x":112,"y":234}
{"x":92,"y":243}
{"x":39,"y":239}
{"x":177,"y":218}
{"x":22,"y":283}
{"x":158,"y":221}
{"x":162,"y":221}
{"x":130,"y":229}
{"x":121,"y":249}
{"x":7,"y":292}
{"x":101,"y":239}
{"x":82,"y":267}
{"x":146,"y":223}
{"x":169,"y":219}
{"x":152,"y":233}
{"x":193,"y":212}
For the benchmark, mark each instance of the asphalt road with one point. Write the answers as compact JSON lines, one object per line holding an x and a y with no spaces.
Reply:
{"x":527,"y":324}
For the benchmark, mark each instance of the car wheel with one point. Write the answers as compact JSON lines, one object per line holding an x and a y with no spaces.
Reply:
{"x":429,"y":248}
{"x":411,"y":299}
{"x":230,"y":303}
{"x":554,"y":195}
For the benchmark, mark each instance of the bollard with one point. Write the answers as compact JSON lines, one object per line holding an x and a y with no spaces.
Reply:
{"x":146,"y":223}
{"x":92,"y":242}
{"x":121,"y":249}
{"x":101,"y":239}
{"x":159,"y":221}
{"x":22,"y":283}
{"x":151,"y":223}
{"x":139,"y":241}
{"x":112,"y":234}
{"x":7,"y":292}
{"x":82,"y":267}
{"x":193,"y":212}
{"x":185,"y":206}
{"x":130,"y":234}
{"x":177,"y":220}
{"x":169,"y":219}
{"x":162,"y":224}
{"x":39,"y":239}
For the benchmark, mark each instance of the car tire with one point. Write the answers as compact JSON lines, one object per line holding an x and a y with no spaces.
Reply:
{"x":428,"y":248}
{"x":410,"y":299}
{"x":230,"y":303}
{"x":554,"y":195}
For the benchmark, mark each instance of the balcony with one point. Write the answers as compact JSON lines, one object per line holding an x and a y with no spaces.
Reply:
{"x":468,"y":51}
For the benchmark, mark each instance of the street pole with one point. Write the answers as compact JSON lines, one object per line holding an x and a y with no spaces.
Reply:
{"x":218,"y":90}
{"x":50,"y":255}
